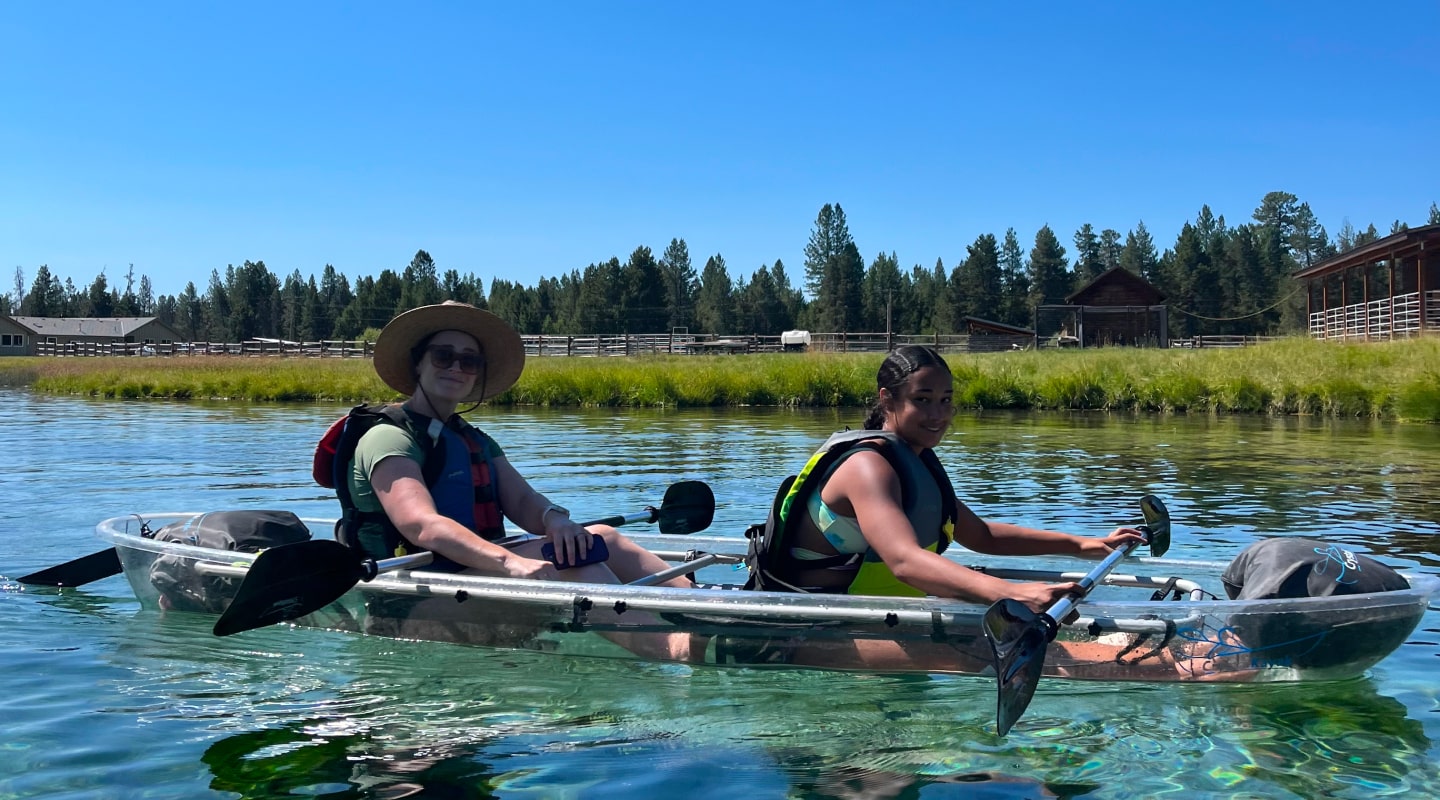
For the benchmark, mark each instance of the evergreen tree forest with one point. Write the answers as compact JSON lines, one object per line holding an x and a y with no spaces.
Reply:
{"x":1219,"y":277}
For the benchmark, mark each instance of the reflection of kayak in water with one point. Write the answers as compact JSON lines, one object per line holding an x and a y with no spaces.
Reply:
{"x":1161,"y":622}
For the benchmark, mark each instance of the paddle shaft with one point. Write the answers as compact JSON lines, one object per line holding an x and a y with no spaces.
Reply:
{"x":370,"y":568}
{"x":1062,"y":607}
{"x":292,"y":580}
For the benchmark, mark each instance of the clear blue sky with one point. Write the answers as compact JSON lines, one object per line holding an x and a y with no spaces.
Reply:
{"x":526,"y":140}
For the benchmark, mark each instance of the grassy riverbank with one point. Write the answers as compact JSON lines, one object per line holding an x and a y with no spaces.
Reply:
{"x":1394,"y":380}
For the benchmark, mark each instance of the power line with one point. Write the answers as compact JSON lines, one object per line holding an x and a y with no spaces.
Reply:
{"x":1246,"y":316}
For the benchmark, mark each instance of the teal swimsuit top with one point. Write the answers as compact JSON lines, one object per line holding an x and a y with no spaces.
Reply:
{"x":842,"y":532}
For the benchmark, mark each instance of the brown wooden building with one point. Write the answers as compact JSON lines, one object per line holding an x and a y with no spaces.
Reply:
{"x":1387,"y":289}
{"x":1117,"y":308}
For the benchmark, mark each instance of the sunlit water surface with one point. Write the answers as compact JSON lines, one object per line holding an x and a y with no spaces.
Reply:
{"x":104,"y":699}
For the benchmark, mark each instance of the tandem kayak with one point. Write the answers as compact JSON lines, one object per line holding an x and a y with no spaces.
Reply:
{"x":1164,"y":620}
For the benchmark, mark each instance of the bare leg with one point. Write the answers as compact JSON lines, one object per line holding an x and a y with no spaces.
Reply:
{"x":629,"y":561}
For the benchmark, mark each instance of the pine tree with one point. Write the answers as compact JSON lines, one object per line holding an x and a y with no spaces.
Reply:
{"x":878,"y":292}
{"x":46,"y":297}
{"x":292,"y":307}
{"x":98,"y":300}
{"x":1139,"y":256}
{"x":1110,"y":248}
{"x":1088,"y":261}
{"x":599,"y":298}
{"x":190,"y":313}
{"x":127,"y":304}
{"x":335,"y":296}
{"x":980,"y":278}
{"x":1367,"y":236}
{"x":944,"y":314}
{"x":145,"y":298}
{"x":1015,"y":278}
{"x":793,"y":299}
{"x":1278,"y":212}
{"x":834,"y":271}
{"x":643,"y":306}
{"x":1345,"y":239}
{"x":1050,"y":279}
{"x":1433,"y":220}
{"x":715,"y":300}
{"x":925,"y":294}
{"x":760,"y":308}
{"x":681,"y":282}
{"x":70,"y":300}
{"x":1181,"y":275}
{"x":1307,"y":240}
{"x":419,"y":283}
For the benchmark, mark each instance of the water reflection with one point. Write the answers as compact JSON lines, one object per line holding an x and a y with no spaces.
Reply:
{"x":307,"y":712}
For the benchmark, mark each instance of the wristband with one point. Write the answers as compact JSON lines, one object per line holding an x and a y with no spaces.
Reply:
{"x":561,"y":510}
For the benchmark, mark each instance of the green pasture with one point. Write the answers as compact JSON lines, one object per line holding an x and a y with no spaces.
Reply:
{"x":1382,"y":380}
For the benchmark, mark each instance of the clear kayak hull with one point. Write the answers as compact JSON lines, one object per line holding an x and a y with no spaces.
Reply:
{"x":1121,"y":633}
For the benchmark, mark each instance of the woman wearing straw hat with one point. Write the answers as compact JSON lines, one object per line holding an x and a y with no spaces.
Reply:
{"x":441,"y":356}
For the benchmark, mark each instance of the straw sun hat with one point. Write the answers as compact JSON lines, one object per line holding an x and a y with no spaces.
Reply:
{"x":499,"y":343}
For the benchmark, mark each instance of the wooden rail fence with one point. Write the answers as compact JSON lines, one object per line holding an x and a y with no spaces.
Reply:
{"x":537,"y":345}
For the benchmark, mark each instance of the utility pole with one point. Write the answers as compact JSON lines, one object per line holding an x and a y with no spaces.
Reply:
{"x":889,"y":308}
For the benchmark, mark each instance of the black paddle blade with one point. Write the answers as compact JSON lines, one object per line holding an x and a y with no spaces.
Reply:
{"x":1157,"y":521}
{"x":83,"y":570}
{"x":1018,"y":638}
{"x":290,"y":581}
{"x":688,"y":507}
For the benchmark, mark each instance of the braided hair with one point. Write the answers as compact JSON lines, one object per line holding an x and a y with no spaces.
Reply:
{"x":894,"y":371}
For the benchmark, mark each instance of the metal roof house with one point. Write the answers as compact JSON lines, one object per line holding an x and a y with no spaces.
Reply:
{"x":58,"y":336}
{"x":1386,"y":289}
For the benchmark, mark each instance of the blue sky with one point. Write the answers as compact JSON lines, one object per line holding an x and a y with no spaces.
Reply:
{"x":523,"y":141}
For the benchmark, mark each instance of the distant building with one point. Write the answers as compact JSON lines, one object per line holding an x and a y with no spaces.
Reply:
{"x":1117,"y":308}
{"x":30,"y":336}
{"x":1386,"y":289}
{"x":986,"y":335}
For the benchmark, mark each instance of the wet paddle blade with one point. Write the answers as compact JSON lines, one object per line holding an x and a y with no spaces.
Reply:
{"x":1018,"y":638}
{"x":288,"y":582}
{"x":1157,"y":521}
{"x":689,"y":507}
{"x":83,"y":570}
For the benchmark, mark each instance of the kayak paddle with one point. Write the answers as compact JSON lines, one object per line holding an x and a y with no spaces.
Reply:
{"x":85,"y":569}
{"x":1018,"y":636}
{"x":292,"y":580}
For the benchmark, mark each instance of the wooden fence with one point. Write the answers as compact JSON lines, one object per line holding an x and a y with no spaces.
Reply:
{"x":537,"y":345}
{"x":327,"y":349}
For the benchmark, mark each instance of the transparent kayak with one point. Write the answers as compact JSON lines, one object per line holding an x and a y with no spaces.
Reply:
{"x":1160,"y":621}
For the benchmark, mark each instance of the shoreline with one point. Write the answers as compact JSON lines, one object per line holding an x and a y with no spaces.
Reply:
{"x":1396,"y":381}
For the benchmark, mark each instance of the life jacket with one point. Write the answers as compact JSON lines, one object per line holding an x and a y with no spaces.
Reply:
{"x":336,"y":450}
{"x":931,"y":510}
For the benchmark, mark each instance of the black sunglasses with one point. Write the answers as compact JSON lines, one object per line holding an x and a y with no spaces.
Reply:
{"x":442,"y":356}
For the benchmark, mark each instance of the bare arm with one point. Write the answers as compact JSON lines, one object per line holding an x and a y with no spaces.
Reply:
{"x":1009,"y":539}
{"x":400,"y":488}
{"x":528,"y":508}
{"x":868,"y":485}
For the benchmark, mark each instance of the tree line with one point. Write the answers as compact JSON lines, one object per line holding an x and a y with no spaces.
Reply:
{"x":1218,"y":278}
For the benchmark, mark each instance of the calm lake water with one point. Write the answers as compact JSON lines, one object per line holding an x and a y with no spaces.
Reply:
{"x":103,"y":699}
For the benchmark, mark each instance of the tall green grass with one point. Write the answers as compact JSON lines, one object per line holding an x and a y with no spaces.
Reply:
{"x":1383,"y":380}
